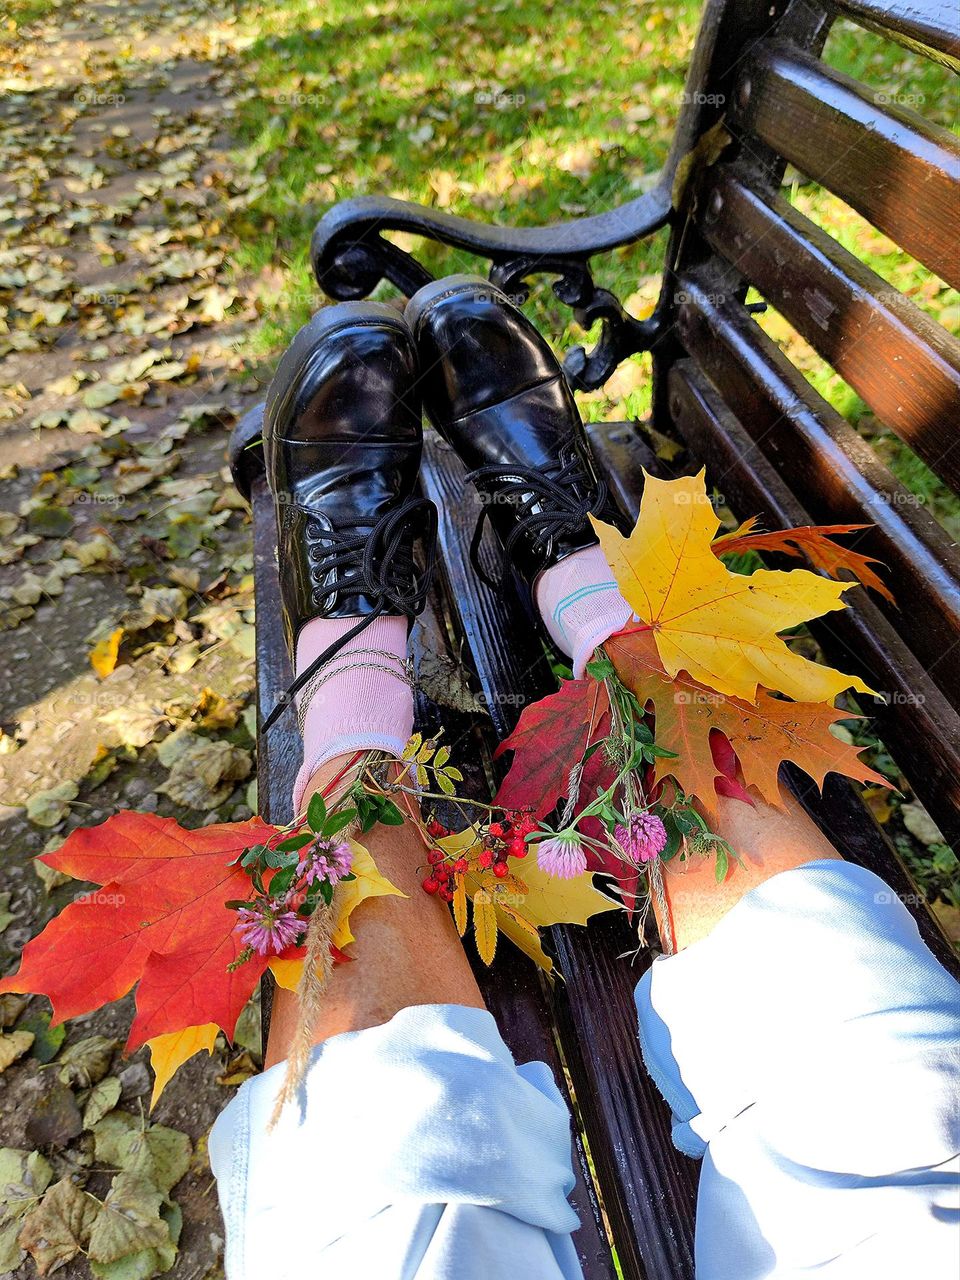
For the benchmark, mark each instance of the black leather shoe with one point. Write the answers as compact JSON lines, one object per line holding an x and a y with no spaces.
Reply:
{"x":342,"y":436}
{"x":495,"y":391}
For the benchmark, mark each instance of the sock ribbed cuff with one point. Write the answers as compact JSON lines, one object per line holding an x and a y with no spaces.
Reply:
{"x":580,"y":604}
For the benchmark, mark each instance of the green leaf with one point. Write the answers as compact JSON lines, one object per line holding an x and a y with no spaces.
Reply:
{"x":600,"y":668}
{"x":723,"y":864}
{"x":86,"y":1063}
{"x":47,"y":1040}
{"x":316,"y":812}
{"x":59,"y":1228}
{"x":367,"y":812}
{"x":129,"y":1220}
{"x":282,"y":881}
{"x":294,"y":843}
{"x":103,"y":1098}
{"x":337,"y":821}
{"x":674,"y":837}
{"x":389,"y":814}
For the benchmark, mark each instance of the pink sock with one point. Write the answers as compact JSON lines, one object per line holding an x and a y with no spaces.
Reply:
{"x":364,"y":702}
{"x":580,"y":604}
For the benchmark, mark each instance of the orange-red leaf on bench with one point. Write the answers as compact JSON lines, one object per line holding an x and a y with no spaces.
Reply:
{"x":763,"y":735}
{"x":550,"y":738}
{"x":815,"y":541}
{"x":159,"y":919}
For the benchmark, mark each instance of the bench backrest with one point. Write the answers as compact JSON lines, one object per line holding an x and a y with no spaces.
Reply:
{"x":771,"y":443}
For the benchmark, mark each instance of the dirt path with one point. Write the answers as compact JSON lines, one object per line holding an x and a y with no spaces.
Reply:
{"x":119,"y":380}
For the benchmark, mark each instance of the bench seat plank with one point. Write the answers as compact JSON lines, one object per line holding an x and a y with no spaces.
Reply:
{"x":837,"y":132}
{"x":915,"y":719}
{"x":901,"y":363}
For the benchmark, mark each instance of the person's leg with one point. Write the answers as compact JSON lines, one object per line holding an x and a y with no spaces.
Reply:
{"x":415,"y":1147}
{"x":407,"y":950}
{"x":804,"y":1036}
{"x":803,"y":1032}
{"x":581,"y":606}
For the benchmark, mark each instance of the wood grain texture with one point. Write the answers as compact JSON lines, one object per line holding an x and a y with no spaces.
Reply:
{"x":901,"y":363}
{"x":833,"y":472}
{"x":896,"y":169}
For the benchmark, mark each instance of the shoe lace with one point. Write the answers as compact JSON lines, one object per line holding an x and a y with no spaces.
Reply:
{"x":378,"y":564}
{"x":547,"y":506}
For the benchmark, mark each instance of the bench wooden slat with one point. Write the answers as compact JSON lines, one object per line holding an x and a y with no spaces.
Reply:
{"x":916,"y":721}
{"x":902,"y":364}
{"x":648,"y":1188}
{"x":931,"y":23}
{"x":833,"y":472}
{"x":869,"y":154}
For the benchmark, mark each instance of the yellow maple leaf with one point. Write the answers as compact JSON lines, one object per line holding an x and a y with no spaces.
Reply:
{"x":369,"y":883}
{"x":720,"y":627}
{"x":485,"y":926}
{"x":103,"y":655}
{"x":169,"y":1052}
{"x":545,"y":899}
{"x":286,"y":973}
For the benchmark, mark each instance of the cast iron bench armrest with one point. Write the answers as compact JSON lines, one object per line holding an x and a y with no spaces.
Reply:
{"x":350,"y":257}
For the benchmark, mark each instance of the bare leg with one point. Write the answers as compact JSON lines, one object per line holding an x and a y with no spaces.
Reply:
{"x":768,"y":840}
{"x":390,"y":932}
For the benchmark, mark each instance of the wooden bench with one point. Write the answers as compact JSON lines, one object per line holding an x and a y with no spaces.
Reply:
{"x":771,"y":444}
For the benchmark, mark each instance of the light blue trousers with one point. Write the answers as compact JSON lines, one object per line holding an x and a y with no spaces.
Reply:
{"x":808,"y":1048}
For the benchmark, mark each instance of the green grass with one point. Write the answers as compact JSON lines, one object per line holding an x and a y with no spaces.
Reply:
{"x":521,"y":113}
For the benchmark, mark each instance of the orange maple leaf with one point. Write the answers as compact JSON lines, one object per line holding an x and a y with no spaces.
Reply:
{"x":815,"y":541}
{"x":762,"y":734}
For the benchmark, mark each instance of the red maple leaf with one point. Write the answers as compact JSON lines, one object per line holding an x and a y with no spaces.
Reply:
{"x":159,"y":920}
{"x":550,"y":738}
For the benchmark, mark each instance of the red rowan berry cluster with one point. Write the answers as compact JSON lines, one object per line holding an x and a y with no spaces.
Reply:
{"x":497,"y":842}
